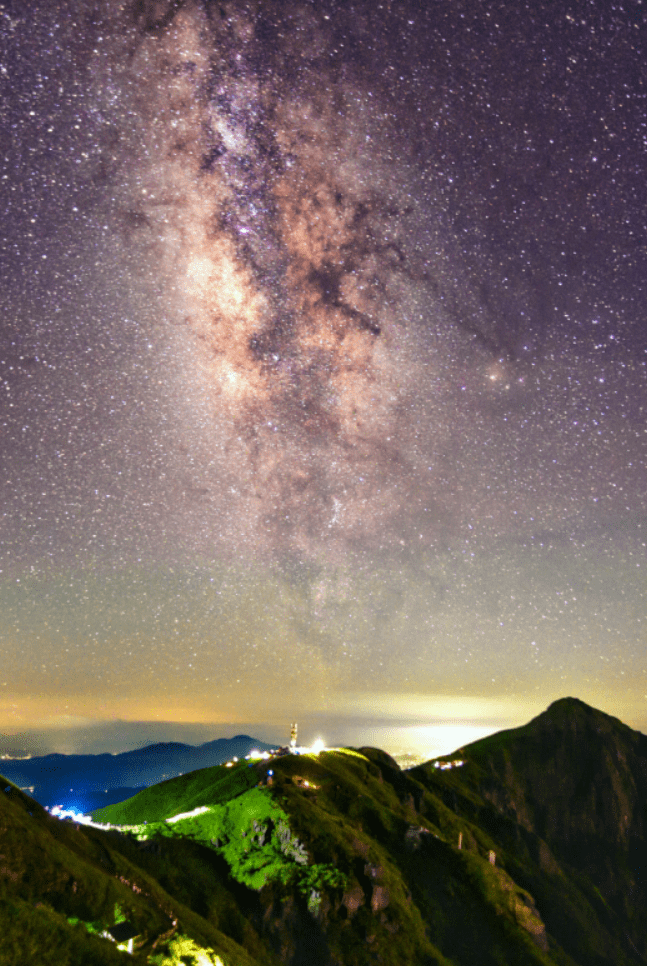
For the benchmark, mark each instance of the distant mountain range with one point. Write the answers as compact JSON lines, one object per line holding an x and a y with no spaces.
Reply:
{"x":87,"y":782}
{"x":528,"y":848}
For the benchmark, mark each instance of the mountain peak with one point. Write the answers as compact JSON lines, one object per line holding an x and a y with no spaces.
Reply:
{"x":566,"y":713}
{"x":568,"y":704}
{"x":566,"y":709}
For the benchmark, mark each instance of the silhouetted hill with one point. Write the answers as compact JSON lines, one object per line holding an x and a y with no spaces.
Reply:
{"x":524,"y":848}
{"x":87,"y":782}
{"x":577,"y":779}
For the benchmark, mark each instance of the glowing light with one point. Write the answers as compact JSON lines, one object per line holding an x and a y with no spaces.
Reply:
{"x":318,"y":746}
{"x":62,"y":813}
{"x":200,"y":810}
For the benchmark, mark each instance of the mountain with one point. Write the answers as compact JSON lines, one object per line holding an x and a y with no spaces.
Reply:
{"x":572,"y":786}
{"x":87,"y":782}
{"x":525,"y":848}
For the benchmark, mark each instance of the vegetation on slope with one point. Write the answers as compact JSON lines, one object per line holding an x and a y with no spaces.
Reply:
{"x":61,"y":887}
{"x":364,"y":844}
{"x":564,"y":800}
{"x":211,"y":786}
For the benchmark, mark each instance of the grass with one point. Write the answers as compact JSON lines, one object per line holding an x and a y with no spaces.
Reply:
{"x":242,"y":822}
{"x":304,"y":838}
{"x":41,"y":936}
{"x":182,"y":794}
{"x":57,"y":880}
{"x":181,"y":951}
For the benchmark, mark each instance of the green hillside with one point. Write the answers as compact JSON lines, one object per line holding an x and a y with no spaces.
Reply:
{"x":61,"y":887}
{"x":368,"y":850}
{"x":566,"y":797}
{"x":182,"y":794}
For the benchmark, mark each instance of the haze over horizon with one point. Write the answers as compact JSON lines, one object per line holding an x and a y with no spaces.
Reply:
{"x":323,"y":369}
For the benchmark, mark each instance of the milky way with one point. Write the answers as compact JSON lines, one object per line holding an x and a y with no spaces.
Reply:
{"x":263,"y":185}
{"x":345,"y":299}
{"x":269,"y":198}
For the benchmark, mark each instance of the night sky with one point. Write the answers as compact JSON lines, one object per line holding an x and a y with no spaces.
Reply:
{"x":323,"y":368}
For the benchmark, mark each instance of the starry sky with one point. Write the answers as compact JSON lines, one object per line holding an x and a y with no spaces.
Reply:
{"x":323,"y":368}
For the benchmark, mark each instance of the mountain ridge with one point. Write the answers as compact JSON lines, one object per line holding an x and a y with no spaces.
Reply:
{"x":344,"y":859}
{"x":85,"y":782}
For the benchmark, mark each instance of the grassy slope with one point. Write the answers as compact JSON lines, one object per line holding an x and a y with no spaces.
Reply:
{"x":354,"y":822}
{"x":51,"y":872}
{"x":332,"y":843}
{"x":210,"y":786}
{"x":244,"y":824}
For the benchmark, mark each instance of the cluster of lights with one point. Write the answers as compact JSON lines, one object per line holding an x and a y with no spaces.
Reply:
{"x":306,"y":784}
{"x":446,"y":765}
{"x":315,"y":749}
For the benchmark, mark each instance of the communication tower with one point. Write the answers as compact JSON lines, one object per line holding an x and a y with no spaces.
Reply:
{"x":293,"y":736}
